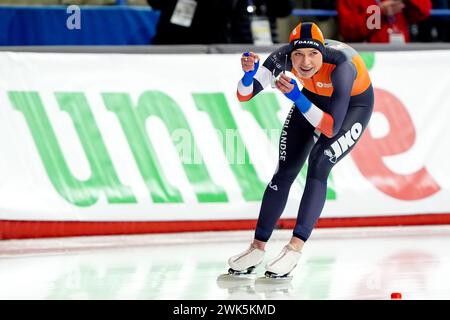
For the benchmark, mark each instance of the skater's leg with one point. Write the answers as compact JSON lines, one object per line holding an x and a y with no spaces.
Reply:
{"x":296,"y":243}
{"x":296,"y":141}
{"x":320,"y":163}
{"x":259,"y":244}
{"x":322,"y":159}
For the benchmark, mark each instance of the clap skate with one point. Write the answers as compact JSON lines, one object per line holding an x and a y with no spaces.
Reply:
{"x":244,"y":264}
{"x":283,"y":264}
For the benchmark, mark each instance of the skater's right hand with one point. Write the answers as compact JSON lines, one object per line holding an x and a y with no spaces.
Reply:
{"x":250,"y":64}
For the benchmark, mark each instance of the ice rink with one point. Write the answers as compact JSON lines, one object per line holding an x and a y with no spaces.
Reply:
{"x":345,"y":263}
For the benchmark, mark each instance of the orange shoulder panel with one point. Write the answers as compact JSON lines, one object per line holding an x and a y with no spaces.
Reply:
{"x":321,"y":83}
{"x":362,"y":81}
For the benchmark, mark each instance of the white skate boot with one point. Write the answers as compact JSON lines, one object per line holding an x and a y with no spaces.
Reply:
{"x":283,"y":264}
{"x":244,"y":263}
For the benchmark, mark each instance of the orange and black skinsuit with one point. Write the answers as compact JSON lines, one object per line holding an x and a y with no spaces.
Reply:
{"x":326,"y":121}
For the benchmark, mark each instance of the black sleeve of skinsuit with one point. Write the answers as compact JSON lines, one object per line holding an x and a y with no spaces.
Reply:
{"x":342,"y":78}
{"x":257,"y":87}
{"x":279,"y":60}
{"x":276,"y":62}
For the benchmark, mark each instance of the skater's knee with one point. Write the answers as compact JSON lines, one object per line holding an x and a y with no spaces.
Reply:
{"x":319,"y":168}
{"x":286,"y":175}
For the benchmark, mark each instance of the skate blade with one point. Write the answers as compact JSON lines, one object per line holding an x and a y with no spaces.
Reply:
{"x":250,"y":272}
{"x":273,"y":276}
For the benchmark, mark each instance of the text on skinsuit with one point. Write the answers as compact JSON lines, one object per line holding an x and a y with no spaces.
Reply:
{"x":283,"y":139}
{"x":344,"y":142}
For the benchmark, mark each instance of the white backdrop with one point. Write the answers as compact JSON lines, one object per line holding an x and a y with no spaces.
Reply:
{"x":419,"y":80}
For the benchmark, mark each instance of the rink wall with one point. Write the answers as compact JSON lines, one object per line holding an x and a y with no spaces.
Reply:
{"x":125,"y":142}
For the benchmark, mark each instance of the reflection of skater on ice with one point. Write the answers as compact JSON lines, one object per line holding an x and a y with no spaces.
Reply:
{"x":241,"y":287}
{"x":274,"y":288}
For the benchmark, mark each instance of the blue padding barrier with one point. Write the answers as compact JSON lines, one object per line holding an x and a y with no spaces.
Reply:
{"x":99,"y":25}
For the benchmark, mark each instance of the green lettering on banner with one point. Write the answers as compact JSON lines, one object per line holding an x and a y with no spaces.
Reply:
{"x":133,"y":125}
{"x":216,"y":106}
{"x":155,"y":103}
{"x":103,"y":176}
{"x":265,"y":107}
{"x":368,"y":58}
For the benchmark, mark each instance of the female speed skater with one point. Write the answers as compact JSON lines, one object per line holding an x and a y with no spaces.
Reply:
{"x":333,"y":101}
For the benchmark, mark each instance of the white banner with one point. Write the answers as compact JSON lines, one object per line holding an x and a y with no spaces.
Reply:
{"x":121,"y":137}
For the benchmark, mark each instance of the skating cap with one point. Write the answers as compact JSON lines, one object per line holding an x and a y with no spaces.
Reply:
{"x":306,"y":35}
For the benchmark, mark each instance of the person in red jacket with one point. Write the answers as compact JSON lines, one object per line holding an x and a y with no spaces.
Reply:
{"x":356,"y":19}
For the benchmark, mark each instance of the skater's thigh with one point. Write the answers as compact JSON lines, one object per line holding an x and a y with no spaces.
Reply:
{"x":296,"y":140}
{"x":329,"y":151}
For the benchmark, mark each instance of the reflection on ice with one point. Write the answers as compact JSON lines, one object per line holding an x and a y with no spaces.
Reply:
{"x":352,"y":263}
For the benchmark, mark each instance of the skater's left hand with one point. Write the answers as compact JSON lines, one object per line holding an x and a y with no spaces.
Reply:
{"x":290,"y":89}
{"x":285,"y":84}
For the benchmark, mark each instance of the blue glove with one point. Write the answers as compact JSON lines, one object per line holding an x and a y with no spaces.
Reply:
{"x":298,"y":98}
{"x":247,"y":79}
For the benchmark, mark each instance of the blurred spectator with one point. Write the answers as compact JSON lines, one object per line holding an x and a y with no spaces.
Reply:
{"x":396,"y":18}
{"x":327,"y":24}
{"x":435,"y":28}
{"x":324,"y":4}
{"x":219,"y":21}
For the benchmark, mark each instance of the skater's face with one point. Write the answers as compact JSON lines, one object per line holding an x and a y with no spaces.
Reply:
{"x":306,"y":61}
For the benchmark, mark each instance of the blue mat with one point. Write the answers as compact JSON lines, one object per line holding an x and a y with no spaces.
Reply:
{"x":47,"y":25}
